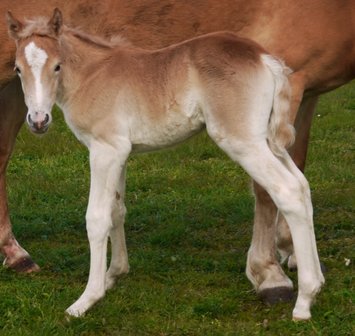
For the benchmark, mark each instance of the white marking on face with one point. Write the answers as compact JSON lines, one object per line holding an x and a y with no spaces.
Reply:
{"x":36,"y":59}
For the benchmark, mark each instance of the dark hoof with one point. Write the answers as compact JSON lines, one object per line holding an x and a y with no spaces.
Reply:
{"x":24,"y":265}
{"x":271,"y":296}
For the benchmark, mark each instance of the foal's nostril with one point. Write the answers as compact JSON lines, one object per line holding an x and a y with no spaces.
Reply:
{"x":38,"y":126}
{"x":29,"y":120}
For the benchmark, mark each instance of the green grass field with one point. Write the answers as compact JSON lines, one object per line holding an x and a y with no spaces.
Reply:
{"x":189,"y":224}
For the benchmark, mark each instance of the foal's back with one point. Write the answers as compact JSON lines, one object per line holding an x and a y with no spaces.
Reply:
{"x":212,"y":55}
{"x":170,"y":93}
{"x":221,"y":57}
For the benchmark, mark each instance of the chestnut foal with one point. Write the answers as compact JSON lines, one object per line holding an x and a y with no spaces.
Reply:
{"x":315,"y":37}
{"x":119,"y":99}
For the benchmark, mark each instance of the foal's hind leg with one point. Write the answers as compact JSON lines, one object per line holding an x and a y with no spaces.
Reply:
{"x":290,"y":192}
{"x":299,"y":153}
{"x":119,"y":261}
{"x":263,"y":267}
{"x":12,"y":116}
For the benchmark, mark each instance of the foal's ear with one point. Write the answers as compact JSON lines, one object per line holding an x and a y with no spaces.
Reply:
{"x":56,"y":22}
{"x":14,"y":26}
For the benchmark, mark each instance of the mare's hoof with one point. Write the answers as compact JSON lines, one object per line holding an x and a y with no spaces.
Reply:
{"x":23,"y":265}
{"x":271,"y":296}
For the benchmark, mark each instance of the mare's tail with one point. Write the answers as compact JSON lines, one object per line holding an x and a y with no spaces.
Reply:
{"x":281,"y":134}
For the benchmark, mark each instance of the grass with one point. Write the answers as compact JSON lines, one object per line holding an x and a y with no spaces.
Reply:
{"x":188,"y":230}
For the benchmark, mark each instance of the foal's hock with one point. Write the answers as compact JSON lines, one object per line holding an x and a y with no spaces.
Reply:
{"x":118,"y":99}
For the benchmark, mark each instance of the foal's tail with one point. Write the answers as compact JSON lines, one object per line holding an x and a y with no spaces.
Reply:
{"x":281,"y":134}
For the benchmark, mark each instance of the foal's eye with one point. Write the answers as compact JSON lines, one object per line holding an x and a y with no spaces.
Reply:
{"x":17,"y":70}
{"x":57,"y":68}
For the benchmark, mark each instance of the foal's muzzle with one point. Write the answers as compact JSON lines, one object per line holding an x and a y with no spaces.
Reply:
{"x":39,"y":126}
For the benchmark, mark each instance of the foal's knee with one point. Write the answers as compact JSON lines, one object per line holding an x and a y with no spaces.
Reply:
{"x":98,"y":224}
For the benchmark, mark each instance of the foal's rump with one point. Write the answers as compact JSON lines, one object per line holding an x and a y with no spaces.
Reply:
{"x":246,"y":93}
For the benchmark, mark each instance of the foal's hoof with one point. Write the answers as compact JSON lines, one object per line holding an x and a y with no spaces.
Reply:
{"x":301,"y":315}
{"x":271,"y":296}
{"x":299,"y":319}
{"x":72,"y":313}
{"x":23,"y":265}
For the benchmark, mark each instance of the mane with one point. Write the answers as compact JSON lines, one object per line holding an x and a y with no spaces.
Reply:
{"x":36,"y":26}
{"x":39,"y":26}
{"x":114,"y":41}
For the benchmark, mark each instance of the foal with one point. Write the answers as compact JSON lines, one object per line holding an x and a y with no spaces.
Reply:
{"x":119,"y":99}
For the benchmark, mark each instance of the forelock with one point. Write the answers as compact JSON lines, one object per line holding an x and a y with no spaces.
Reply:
{"x":37,"y":26}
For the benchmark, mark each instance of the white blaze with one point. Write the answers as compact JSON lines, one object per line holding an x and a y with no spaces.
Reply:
{"x":36,"y":59}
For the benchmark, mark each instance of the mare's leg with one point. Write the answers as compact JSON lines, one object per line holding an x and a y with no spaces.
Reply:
{"x":106,"y":165}
{"x":12,"y":116}
{"x":263,"y":267}
{"x":290,"y":191}
{"x":119,"y":260}
{"x":298,"y":153}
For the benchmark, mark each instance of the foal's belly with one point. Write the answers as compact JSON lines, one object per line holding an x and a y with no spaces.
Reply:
{"x":173,"y":127}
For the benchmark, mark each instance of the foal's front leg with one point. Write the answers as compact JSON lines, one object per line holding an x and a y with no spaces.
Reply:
{"x":106,"y":164}
{"x":119,"y":259}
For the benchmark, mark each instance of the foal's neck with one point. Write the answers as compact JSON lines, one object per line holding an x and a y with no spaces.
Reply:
{"x":82,"y":57}
{"x":80,"y":50}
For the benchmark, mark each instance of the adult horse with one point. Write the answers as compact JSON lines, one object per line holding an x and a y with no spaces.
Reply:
{"x":314,"y":37}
